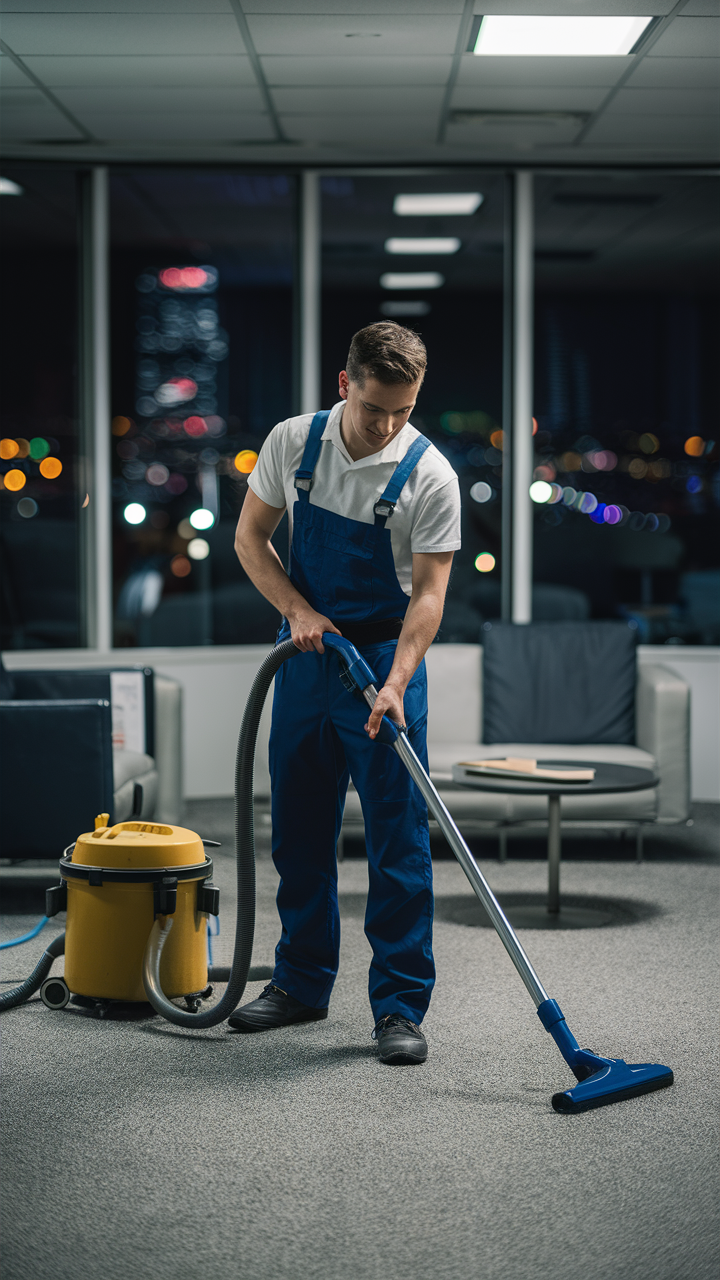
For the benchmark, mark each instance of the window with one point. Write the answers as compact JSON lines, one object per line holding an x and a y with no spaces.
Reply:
{"x":41,"y":503}
{"x":439,"y":272}
{"x":202,"y":306}
{"x":626,"y":345}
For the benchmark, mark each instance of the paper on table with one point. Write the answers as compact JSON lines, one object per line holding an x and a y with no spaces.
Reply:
{"x":521,"y":767}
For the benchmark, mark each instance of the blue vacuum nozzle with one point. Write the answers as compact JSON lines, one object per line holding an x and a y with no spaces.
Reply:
{"x":602,"y":1080}
{"x":614,"y":1082}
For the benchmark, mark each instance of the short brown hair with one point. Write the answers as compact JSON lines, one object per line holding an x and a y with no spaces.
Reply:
{"x":387,"y":352}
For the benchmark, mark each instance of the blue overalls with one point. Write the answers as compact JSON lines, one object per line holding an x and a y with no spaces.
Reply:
{"x":345,"y":570}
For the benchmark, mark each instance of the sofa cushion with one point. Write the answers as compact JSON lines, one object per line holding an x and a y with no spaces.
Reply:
{"x":571,"y":682}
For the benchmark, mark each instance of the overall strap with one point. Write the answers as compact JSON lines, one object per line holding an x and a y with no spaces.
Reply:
{"x":311,"y":453}
{"x":385,"y":505}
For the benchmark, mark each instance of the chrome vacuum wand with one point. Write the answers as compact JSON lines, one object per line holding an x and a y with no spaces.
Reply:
{"x":454,"y":838}
{"x":601,"y":1080}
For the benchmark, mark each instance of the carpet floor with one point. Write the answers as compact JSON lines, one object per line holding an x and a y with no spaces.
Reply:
{"x":136,"y":1150}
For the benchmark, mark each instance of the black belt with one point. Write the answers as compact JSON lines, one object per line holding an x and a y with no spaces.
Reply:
{"x":364,"y":633}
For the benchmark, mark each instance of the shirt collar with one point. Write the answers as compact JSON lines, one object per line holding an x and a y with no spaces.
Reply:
{"x":391,"y":454}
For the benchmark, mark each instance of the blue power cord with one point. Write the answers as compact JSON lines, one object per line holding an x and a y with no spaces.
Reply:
{"x":26,"y":937}
{"x":211,"y":935}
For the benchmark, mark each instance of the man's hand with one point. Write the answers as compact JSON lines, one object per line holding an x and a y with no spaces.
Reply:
{"x":306,"y":628}
{"x":388,"y":703}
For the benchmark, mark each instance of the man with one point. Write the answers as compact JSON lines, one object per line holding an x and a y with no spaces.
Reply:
{"x":375,"y":519}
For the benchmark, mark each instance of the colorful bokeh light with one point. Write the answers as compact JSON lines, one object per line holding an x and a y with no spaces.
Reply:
{"x":183,"y":277}
{"x":484,"y":563}
{"x":694,"y":446}
{"x":245,"y":461}
{"x":180,"y":566}
{"x":202,"y":519}
{"x":15,"y":480}
{"x":195,"y":426}
{"x":540,"y":491}
{"x":51,"y":468}
{"x":198,"y":549}
{"x":120,"y":426}
{"x":134,"y":513}
{"x":39,"y":448}
{"x":8,"y":449}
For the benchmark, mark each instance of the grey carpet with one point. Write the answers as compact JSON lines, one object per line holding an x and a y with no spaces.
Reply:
{"x":135,"y":1150}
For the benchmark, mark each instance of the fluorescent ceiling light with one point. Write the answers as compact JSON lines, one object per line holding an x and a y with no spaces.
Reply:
{"x":433,"y":205}
{"x":408,"y":307}
{"x":422,"y":244}
{"x":10,"y":188}
{"x":526,"y":36}
{"x":412,"y":280}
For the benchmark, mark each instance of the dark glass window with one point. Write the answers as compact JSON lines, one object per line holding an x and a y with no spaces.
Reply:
{"x":458,"y":310}
{"x":42,"y":493}
{"x":202,"y":305}
{"x":626,"y":344}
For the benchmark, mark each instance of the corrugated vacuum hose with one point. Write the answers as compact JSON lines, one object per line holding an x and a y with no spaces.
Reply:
{"x":245,"y":868}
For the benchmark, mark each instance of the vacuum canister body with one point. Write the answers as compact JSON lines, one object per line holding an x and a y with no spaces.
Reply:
{"x":118,"y":880}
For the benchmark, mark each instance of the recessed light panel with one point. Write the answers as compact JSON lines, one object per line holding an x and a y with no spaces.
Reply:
{"x":425,"y":244}
{"x":528,"y":36}
{"x":412,"y":280}
{"x":435,"y":204}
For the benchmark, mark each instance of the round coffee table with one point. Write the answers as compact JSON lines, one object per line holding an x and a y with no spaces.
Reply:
{"x":608,"y":778}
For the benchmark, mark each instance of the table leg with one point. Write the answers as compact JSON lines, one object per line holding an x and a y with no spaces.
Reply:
{"x":553,"y":904}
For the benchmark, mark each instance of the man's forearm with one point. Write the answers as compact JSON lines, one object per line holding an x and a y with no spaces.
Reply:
{"x":264,"y":568}
{"x":420,"y":627}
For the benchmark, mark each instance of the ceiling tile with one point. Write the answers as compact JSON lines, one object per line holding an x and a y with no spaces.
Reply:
{"x":127,"y":7}
{"x":389,"y":101}
{"x":381,"y":8}
{"x":210,"y":126}
{"x":33,"y":122}
{"x":659,"y":132}
{"x":665,"y":102}
{"x":127,"y":72}
{"x":688,"y":38}
{"x":702,"y":9}
{"x":329,"y":73}
{"x":535,"y":99}
{"x":552,"y":72}
{"x":118,"y":33}
{"x":676,"y":73}
{"x":11,"y":77}
{"x":357,"y":35}
{"x":85,"y":102}
{"x":569,"y":8}
{"x":375,"y":131}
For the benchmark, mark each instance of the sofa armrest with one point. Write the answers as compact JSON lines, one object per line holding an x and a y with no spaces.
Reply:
{"x":662,"y":727}
{"x":56,"y":773}
{"x":168,"y":749}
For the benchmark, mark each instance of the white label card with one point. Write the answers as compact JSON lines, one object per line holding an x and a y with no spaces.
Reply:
{"x":127,"y":692}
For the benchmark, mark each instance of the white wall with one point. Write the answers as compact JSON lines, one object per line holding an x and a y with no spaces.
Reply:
{"x":216,"y":682}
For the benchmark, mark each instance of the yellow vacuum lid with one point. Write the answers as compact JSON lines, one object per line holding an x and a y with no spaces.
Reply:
{"x":138,"y":844}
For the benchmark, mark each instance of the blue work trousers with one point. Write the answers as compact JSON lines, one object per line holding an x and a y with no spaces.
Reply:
{"x":317,"y":742}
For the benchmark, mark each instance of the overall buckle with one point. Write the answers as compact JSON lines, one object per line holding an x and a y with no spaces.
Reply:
{"x":303,"y":482}
{"x":384,"y":507}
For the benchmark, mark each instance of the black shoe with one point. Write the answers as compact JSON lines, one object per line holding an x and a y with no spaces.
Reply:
{"x":273,"y":1008}
{"x":400,"y":1040}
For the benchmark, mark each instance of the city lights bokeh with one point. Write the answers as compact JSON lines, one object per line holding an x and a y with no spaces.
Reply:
{"x":485,"y":562}
{"x":51,"y":468}
{"x":198,"y":549}
{"x":245,"y":461}
{"x":134,"y":513}
{"x":202,"y":519}
{"x":15,"y":480}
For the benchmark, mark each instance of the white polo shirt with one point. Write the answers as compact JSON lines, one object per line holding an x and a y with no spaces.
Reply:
{"x":427,"y":515}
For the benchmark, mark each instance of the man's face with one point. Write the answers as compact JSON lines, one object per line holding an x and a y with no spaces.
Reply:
{"x":375,"y":413}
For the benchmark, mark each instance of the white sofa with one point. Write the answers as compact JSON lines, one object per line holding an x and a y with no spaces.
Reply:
{"x":455,"y":684}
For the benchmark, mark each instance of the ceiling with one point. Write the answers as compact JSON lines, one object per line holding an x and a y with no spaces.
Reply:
{"x":349,"y":82}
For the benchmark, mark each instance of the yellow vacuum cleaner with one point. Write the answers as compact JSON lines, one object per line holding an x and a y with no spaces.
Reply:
{"x":116,"y":881}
